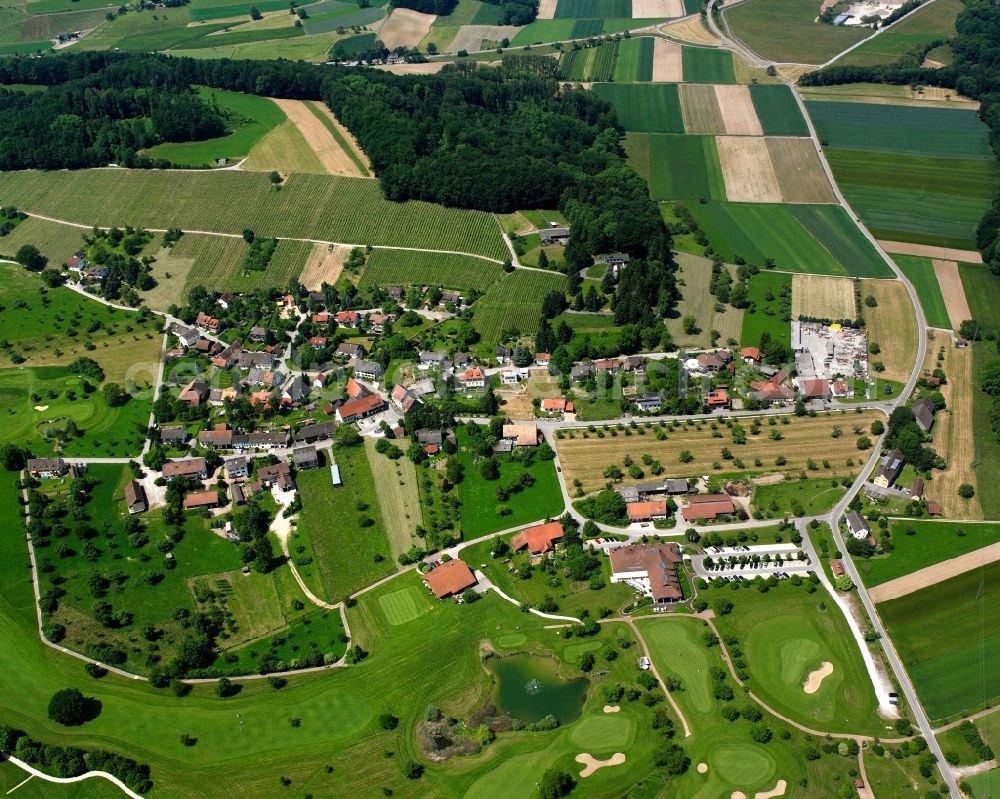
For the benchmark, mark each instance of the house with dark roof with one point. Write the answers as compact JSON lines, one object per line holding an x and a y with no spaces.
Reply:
{"x":892,"y":464}
{"x":404,"y":399}
{"x":296,"y":389}
{"x":368,"y":370}
{"x":44,"y":468}
{"x":857,"y":526}
{"x":195,"y":392}
{"x":135,"y":497}
{"x":315,"y":432}
{"x":923,"y":413}
{"x":280,"y":475}
{"x":305,"y":458}
{"x":346,"y":350}
{"x":173,"y":435}
{"x":237,"y":467}
{"x":249,"y":360}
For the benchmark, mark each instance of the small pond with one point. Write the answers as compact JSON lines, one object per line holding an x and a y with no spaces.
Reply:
{"x":529,"y":688}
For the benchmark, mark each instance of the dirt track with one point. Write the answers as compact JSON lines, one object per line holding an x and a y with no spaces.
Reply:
{"x":953,"y":292}
{"x":937,"y":573}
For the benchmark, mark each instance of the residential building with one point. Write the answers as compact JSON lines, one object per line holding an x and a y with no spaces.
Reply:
{"x":523,"y":435}
{"x":237,"y":467}
{"x":219,"y":437}
{"x":430,"y":359}
{"x":218,"y":396}
{"x":557,"y":405}
{"x":510,"y":377}
{"x":647,"y":403}
{"x":923,"y":413}
{"x":502,"y":354}
{"x":345,"y":350}
{"x":195,"y":392}
{"x":404,"y":399}
{"x":917,"y":490}
{"x":892,"y":465}
{"x":857,"y":526}
{"x":651,"y":510}
{"x":348,"y":318}
{"x":841,"y":388}
{"x":581,"y":371}
{"x":259,"y":376}
{"x":368,"y":370}
{"x":305,"y":458}
{"x":717,"y":399}
{"x":634,"y":363}
{"x":187,"y":336}
{"x":750,"y":355}
{"x":451,"y":297}
{"x":539,"y":539}
{"x":772,"y":395}
{"x":44,"y":468}
{"x":208,"y":322}
{"x":450,"y":578}
{"x":702,"y":507}
{"x":135,"y":497}
{"x":358,"y":409}
{"x":279,"y":475}
{"x":553,"y":235}
{"x":542,"y":359}
{"x":258,"y":334}
{"x":201,"y":499}
{"x":818,"y":389}
{"x":377,"y":322}
{"x":650,"y":569}
{"x":318,"y":342}
{"x":248,"y":360}
{"x":191,"y":468}
{"x":174,"y":436}
{"x":315,"y":432}
{"x":296,"y":389}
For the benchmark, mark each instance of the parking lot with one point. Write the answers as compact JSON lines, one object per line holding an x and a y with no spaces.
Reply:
{"x":747,"y":562}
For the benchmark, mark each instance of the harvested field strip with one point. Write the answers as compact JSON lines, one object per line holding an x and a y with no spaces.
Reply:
{"x":700,"y":109}
{"x":737,"y":111}
{"x":585,"y":459}
{"x":396,"y":489}
{"x":952,"y":291}
{"x":343,"y":137}
{"x":406,"y":268}
{"x":920,"y":272}
{"x":893,"y":326}
{"x":324,"y":207}
{"x":405,"y":28}
{"x":777,"y":111}
{"x":547,"y":9}
{"x":822,"y":297}
{"x":886,"y":94}
{"x":324,"y":265}
{"x":657,"y":9}
{"x":284,"y":150}
{"x":684,"y":167}
{"x":55,"y":241}
{"x":667,"y":63}
{"x":836,"y":231}
{"x":927,"y":251}
{"x":705,"y":65}
{"x":937,"y":573}
{"x":748,"y":171}
{"x":645,"y":108}
{"x":635,"y":59}
{"x":799,"y":171}
{"x":329,"y":152}
{"x":693,"y":30}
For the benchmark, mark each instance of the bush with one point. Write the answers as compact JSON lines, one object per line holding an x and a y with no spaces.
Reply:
{"x":70,"y":707}
{"x":555,"y":783}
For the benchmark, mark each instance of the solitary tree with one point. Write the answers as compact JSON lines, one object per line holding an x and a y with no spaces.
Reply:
{"x":556,"y":783}
{"x":30,"y":258}
{"x":68,"y":706}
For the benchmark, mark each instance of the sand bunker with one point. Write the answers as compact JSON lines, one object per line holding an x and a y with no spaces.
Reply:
{"x":815,"y":679}
{"x":703,"y":768}
{"x":612,"y":709}
{"x":41,"y":407}
{"x":591,"y":764}
{"x":737,"y":795}
{"x":777,"y":790}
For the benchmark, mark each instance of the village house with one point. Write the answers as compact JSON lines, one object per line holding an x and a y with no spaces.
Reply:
{"x":258,"y":334}
{"x":841,"y":388}
{"x":717,"y":399}
{"x":892,"y":465}
{"x":377,"y":322}
{"x":647,"y":403}
{"x":750,"y":355}
{"x":634,"y":363}
{"x":430,"y":359}
{"x":522,"y":435}
{"x":295,"y":390}
{"x":404,"y":399}
{"x":174,"y":436}
{"x":238,"y":467}
{"x":539,"y":539}
{"x":261,"y":439}
{"x":318,"y":342}
{"x":201,"y":499}
{"x":472,"y":378}
{"x":450,"y":578}
{"x":259,"y":376}
{"x":321,"y":318}
{"x":279,"y":475}
{"x":305,"y":458}
{"x":218,"y":396}
{"x":651,"y":510}
{"x":818,"y":389}
{"x":542,"y":359}
{"x":207,"y":322}
{"x":44,"y":468}
{"x":359,"y":409}
{"x":857,"y":526}
{"x":706,"y":507}
{"x":195,"y":393}
{"x":923,"y":413}
{"x":219,"y":437}
{"x":250,"y":360}
{"x":135,"y":497}
{"x":368,"y":370}
{"x":452,"y":298}
{"x":556,"y":405}
{"x":314,"y":432}
{"x":510,"y":377}
{"x":606,"y":365}
{"x":190,"y":468}
{"x":581,"y":371}
{"x":354,"y":390}
{"x":712,"y":361}
{"x":348,"y":318}
{"x":345,"y":350}
{"x":917,"y":490}
{"x":502,"y":354}
{"x":187,"y":336}
{"x":651,"y":569}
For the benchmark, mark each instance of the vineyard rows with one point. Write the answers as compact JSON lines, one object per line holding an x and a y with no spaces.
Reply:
{"x":287,"y":262}
{"x":514,"y":303}
{"x":216,"y":260}
{"x":406,"y":268}
{"x":324,"y":207}
{"x":56,"y":242}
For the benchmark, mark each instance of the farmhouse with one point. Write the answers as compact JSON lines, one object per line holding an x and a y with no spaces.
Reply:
{"x":539,"y":539}
{"x":404,"y":399}
{"x":195,"y":393}
{"x":44,"y":468}
{"x":227,"y":357}
{"x":305,"y":458}
{"x":523,"y":435}
{"x":857,"y":526}
{"x":553,"y":235}
{"x":923,"y":413}
{"x":191,"y":468}
{"x":892,"y":465}
{"x":815,"y":389}
{"x":135,"y":497}
{"x":707,"y":506}
{"x":219,"y":437}
{"x":360,"y":409}
{"x":201,"y":499}
{"x":280,"y":475}
{"x":647,"y":511}
{"x":651,"y":569}
{"x":450,"y":578}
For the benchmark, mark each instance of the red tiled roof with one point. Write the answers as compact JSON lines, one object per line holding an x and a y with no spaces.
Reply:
{"x":538,"y":539}
{"x":708,"y":506}
{"x":201,"y":499}
{"x":642,"y":511}
{"x":750,"y":352}
{"x":450,"y":578}
{"x":359,"y":407}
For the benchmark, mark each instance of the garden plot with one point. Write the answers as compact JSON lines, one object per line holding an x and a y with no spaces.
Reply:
{"x":748,"y":170}
{"x":952,"y":291}
{"x":405,"y":28}
{"x":668,"y":66}
{"x":822,"y":297}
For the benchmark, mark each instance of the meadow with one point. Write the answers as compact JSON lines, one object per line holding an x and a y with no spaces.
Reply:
{"x":408,"y":268}
{"x":584,"y":455}
{"x":348,"y":554}
{"x":635,"y":59}
{"x":644,"y":108}
{"x":348,"y":210}
{"x":787,"y":30}
{"x":56,"y":242}
{"x":920,"y":272}
{"x":593,"y":9}
{"x":396,"y":488}
{"x":893,"y":326}
{"x":796,"y":498}
{"x":986,"y":462}
{"x":705,"y":65}
{"x":777,"y":110}
{"x":916,"y":29}
{"x":932,"y":542}
{"x":983,"y":293}
{"x":514,"y":303}
{"x":679,"y":167}
{"x":948,"y":636}
{"x":765,"y":312}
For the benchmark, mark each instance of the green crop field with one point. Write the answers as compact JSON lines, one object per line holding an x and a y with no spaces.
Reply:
{"x":349,"y":554}
{"x":920,"y":272}
{"x":237,"y":8}
{"x":354,"y":45}
{"x":982,"y":290}
{"x":593,"y":9}
{"x":918,"y":28}
{"x":55,"y":241}
{"x":787,"y":30}
{"x":777,"y":110}
{"x":590,"y":63}
{"x":286,"y":263}
{"x":681,"y":167}
{"x":948,"y":636}
{"x":841,"y":237}
{"x":346,"y":17}
{"x":645,"y":108}
{"x":987,"y":448}
{"x":704,"y":65}
{"x":635,"y":59}
{"x":346,"y":210}
{"x":407,"y":268}
{"x":515,"y":302}
{"x":545,"y":30}
{"x":765,"y":314}
{"x":941,"y":132}
{"x":930,"y":543}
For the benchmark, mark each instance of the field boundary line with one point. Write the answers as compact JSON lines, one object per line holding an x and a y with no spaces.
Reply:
{"x":938,"y":573}
{"x":69,"y":780}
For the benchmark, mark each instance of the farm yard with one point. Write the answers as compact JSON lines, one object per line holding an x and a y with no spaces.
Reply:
{"x":514,"y":303}
{"x":927,"y":24}
{"x":586,"y":455}
{"x":408,"y":268}
{"x":346,"y":210}
{"x":893,"y":326}
{"x":823,"y":297}
{"x":788,"y":31}
{"x":948,"y":636}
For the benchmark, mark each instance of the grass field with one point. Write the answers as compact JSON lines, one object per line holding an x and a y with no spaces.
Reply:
{"x":982,"y":290}
{"x":404,"y":604}
{"x":585,"y":456}
{"x":593,"y":9}
{"x":932,"y":542}
{"x":348,"y":555}
{"x":893,"y":326}
{"x":286,"y":263}
{"x":56,"y":242}
{"x":396,"y":489}
{"x":407,"y":268}
{"x":948,"y":636}
{"x":693,"y":278}
{"x":249,"y":118}
{"x":889,"y":776}
{"x":11,"y":777}
{"x":635,"y":59}
{"x":986,"y":463}
{"x":346,"y":210}
{"x":653,"y":108}
{"x":935,"y":21}
{"x":514,"y":303}
{"x":822,"y":297}
{"x":704,"y":65}
{"x":796,"y":498}
{"x":920,"y":272}
{"x":787,"y":30}
{"x":777,"y":110}
{"x":765,"y":314}
{"x":680,"y":167}
{"x":283,"y":149}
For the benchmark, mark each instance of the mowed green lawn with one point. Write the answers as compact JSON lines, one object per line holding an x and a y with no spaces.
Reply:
{"x":249,"y":117}
{"x":765,"y":314}
{"x":930,"y":542}
{"x":644,"y":108}
{"x":788,"y":633}
{"x":920,"y":272}
{"x":787,"y":30}
{"x":348,"y":556}
{"x":948,"y":636}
